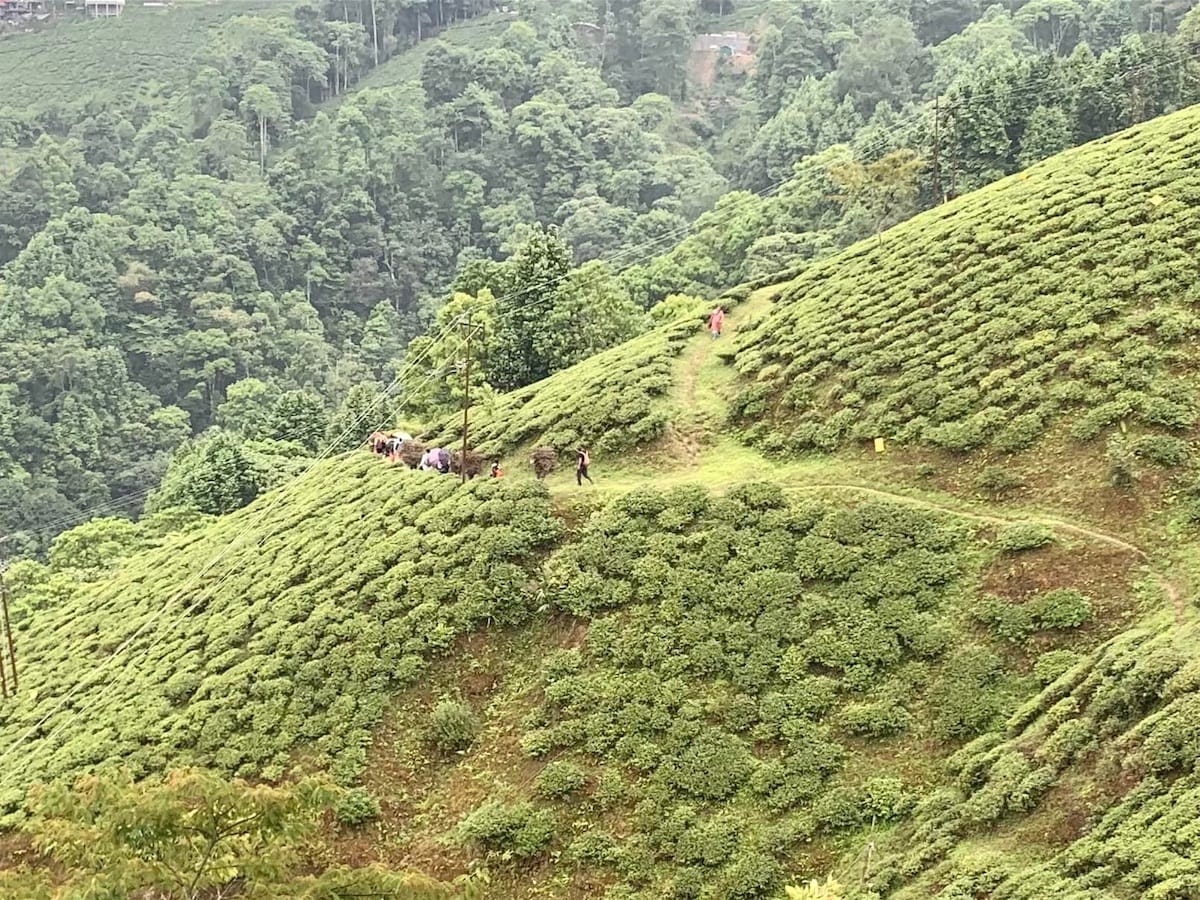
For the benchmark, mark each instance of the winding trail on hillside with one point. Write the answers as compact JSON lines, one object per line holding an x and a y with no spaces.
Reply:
{"x":693,"y":428}
{"x":1169,"y":588}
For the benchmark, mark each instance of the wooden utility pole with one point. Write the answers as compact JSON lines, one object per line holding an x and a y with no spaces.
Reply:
{"x":3,"y":677}
{"x":466,"y":402}
{"x":953,"y":155}
{"x":6,"y":623}
{"x":939,"y":194}
{"x":12,"y":649}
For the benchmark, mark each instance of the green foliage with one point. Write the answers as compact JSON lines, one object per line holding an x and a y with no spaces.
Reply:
{"x":213,"y":475}
{"x":452,"y":726}
{"x":610,"y":402}
{"x":881,"y":340}
{"x":298,"y":417}
{"x":728,"y":639}
{"x":560,"y":780}
{"x":330,"y":598}
{"x":1062,"y":608}
{"x":965,"y":697}
{"x":512,"y":830}
{"x":1162,"y":450}
{"x":997,"y":481}
{"x":357,"y":807}
{"x":97,"y":546}
{"x":1023,"y":536}
{"x":1128,"y":711}
{"x":816,"y":890}
{"x":193,"y":832}
{"x":1053,"y":663}
{"x":1119,"y":453}
{"x":877,"y":720}
{"x":362,"y":411}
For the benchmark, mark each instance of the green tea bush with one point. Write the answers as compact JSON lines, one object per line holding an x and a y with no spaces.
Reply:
{"x":1023,"y":536}
{"x":594,"y":847}
{"x":560,"y":780}
{"x":452,"y":726}
{"x":1128,"y":711}
{"x":1010,"y":621}
{"x":964,"y":696}
{"x":1162,"y":450}
{"x":519,"y":830}
{"x":726,"y":636}
{"x":357,"y":807}
{"x":995,"y":319}
{"x":611,"y":401}
{"x":713,"y":767}
{"x":1063,"y":608}
{"x":335,"y":594}
{"x":1053,"y":663}
{"x":997,"y":481}
{"x":748,"y":876}
{"x":882,"y":719}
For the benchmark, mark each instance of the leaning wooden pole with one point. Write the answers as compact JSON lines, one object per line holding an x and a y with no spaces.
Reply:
{"x":462,"y":463}
{"x":12,"y":647}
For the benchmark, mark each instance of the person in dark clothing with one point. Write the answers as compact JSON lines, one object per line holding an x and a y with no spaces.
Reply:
{"x":583,"y":459}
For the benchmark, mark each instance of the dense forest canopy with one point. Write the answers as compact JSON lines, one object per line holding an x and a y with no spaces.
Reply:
{"x":260,"y":237}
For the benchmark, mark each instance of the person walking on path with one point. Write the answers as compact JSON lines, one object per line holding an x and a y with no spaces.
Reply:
{"x":583,"y":459}
{"x":716,"y":320}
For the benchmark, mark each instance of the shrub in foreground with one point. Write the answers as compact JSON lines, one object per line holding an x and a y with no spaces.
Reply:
{"x":517,"y":829}
{"x":1024,"y":536}
{"x":559,"y":780}
{"x":357,"y":808}
{"x":452,"y":726}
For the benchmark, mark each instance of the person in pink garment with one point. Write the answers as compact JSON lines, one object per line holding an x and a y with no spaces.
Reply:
{"x":716,"y":319}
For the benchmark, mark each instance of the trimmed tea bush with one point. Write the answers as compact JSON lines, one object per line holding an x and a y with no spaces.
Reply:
{"x":1023,"y":536}
{"x":1061,"y":298}
{"x":335,"y":595}
{"x":357,"y":807}
{"x":518,"y":829}
{"x":1063,"y":608}
{"x":559,"y":780}
{"x":452,"y":726}
{"x":1054,"y":663}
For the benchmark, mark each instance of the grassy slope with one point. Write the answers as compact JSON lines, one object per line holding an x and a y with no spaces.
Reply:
{"x":76,"y":60}
{"x":245,"y":641}
{"x":405,"y":68}
{"x":1065,"y":292}
{"x":863,"y":642}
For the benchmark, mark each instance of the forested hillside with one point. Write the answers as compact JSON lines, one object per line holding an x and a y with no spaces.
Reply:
{"x":239,"y":231}
{"x":962,"y":667}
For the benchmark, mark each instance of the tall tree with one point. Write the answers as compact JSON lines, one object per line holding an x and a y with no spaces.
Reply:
{"x":531,"y":288}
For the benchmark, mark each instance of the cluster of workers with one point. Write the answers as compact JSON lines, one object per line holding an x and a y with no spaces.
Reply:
{"x":438,"y":459}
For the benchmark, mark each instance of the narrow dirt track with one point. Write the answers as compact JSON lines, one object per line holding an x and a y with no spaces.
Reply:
{"x":1169,"y":587}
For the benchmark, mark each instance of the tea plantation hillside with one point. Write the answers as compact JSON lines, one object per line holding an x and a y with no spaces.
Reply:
{"x":715,"y":679}
{"x":614,"y":401}
{"x":331,"y":594}
{"x":732,"y":687}
{"x":405,"y":67}
{"x":1062,"y":298}
{"x":77,"y":61}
